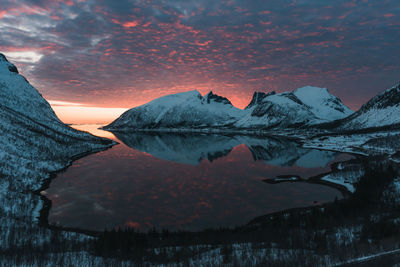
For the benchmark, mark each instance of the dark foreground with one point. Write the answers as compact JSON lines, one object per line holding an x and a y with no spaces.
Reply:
{"x":365,"y":223}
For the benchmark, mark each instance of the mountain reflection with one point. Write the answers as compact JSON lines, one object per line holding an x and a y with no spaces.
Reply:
{"x":193,"y":148}
{"x":186,"y":181}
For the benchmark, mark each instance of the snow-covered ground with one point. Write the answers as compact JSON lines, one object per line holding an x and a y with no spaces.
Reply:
{"x":374,"y":143}
{"x":384,"y":143}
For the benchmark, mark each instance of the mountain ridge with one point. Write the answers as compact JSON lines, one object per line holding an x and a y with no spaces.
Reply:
{"x":265,"y":111}
{"x":380,"y":112}
{"x":29,"y":125}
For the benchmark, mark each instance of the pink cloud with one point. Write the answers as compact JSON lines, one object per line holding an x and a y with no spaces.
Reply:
{"x":130,"y":24}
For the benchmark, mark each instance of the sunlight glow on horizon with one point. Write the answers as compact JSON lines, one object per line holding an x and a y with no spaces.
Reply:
{"x":84,"y":113}
{"x":77,"y":113}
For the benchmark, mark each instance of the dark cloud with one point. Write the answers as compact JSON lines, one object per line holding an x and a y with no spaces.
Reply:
{"x":128,"y":52}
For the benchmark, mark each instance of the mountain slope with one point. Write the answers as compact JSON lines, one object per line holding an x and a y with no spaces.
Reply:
{"x":18,"y":95}
{"x":322,"y":104}
{"x":304,"y":106}
{"x":189,"y":110}
{"x":182,"y":110}
{"x":383,"y":110}
{"x":276,"y":110}
{"x":33,"y":143}
{"x":32,"y":135}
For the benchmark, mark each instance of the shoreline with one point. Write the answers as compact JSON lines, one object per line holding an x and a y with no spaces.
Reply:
{"x":47,"y":204}
{"x":45,"y":209}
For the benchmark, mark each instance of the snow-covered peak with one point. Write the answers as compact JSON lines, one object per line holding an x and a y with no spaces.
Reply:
{"x":177,"y":98}
{"x":216,"y":98}
{"x":324,"y":105}
{"x":284,"y":98}
{"x":311,"y":92}
{"x":258,"y":98}
{"x":182,"y":110}
{"x":7,"y":67}
{"x":18,"y":95}
{"x":303,"y":107}
{"x":276,"y":111}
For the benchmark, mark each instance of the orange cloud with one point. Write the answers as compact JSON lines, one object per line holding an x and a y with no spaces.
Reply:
{"x":130,"y":24}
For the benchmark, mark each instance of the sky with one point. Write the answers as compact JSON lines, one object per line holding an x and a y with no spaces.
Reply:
{"x":120,"y":54}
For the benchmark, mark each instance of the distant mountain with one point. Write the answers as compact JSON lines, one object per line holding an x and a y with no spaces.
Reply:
{"x":304,"y":106}
{"x":381,"y":111}
{"x":182,"y":110}
{"x":276,"y":111}
{"x":189,"y":110}
{"x":322,"y":104}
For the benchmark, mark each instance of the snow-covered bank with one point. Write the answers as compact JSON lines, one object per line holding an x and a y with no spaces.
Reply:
{"x":374,"y":143}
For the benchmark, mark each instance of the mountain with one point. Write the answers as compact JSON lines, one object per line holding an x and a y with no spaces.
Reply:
{"x":182,"y":110}
{"x":275,"y":110}
{"x":322,"y":104}
{"x":304,"y":106}
{"x":383,"y":110}
{"x":33,"y":143}
{"x":189,"y":110}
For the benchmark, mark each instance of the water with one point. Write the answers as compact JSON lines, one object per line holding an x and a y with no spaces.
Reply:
{"x":185,"y":182}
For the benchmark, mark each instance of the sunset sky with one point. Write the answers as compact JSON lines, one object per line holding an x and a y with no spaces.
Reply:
{"x":120,"y":54}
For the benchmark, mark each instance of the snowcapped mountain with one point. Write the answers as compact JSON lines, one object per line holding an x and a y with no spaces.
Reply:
{"x":182,"y":110}
{"x":382,"y":110}
{"x":304,"y":106}
{"x":18,"y":95}
{"x":322,"y":104}
{"x":189,"y":110}
{"x":33,"y":141}
{"x":22,"y":101}
{"x":276,"y":110}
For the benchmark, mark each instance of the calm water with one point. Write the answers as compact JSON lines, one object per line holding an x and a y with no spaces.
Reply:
{"x":188,"y":182}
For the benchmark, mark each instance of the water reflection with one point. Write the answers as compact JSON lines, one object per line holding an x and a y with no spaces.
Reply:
{"x":193,"y":148}
{"x":186,"y":182}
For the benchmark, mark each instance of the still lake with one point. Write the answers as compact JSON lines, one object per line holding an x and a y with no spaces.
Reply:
{"x":185,"y":181}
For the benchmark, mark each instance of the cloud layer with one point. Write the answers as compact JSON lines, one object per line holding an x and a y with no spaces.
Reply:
{"x":125,"y":53}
